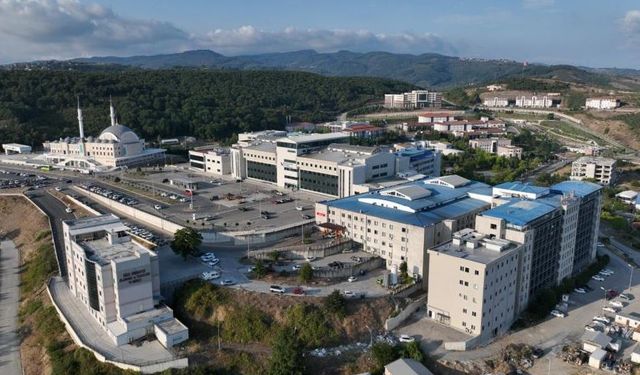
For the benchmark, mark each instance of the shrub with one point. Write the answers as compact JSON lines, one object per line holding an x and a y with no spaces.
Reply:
{"x":246,"y":324}
{"x":306,"y":273}
{"x":311,"y":325}
{"x":335,"y":303}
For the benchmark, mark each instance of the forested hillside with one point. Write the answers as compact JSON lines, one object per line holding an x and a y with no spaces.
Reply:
{"x":40,"y":105}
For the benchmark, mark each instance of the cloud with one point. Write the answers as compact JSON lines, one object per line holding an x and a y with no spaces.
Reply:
{"x":70,"y":27}
{"x":630,"y":23}
{"x":537,"y":4}
{"x":248,"y":39}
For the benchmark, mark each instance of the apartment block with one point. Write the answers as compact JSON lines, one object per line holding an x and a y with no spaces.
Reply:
{"x":118,"y":281}
{"x":602,"y":170}
{"x":489,"y":145}
{"x":471,"y":128}
{"x":401,"y":222}
{"x":473,"y":283}
{"x":438,"y":116}
{"x":536,"y":101}
{"x":413,"y":99}
{"x":602,"y":103}
{"x":509,"y":151}
{"x":496,"y":101}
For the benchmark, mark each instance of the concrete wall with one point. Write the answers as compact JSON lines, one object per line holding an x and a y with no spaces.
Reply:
{"x":461,"y":345}
{"x":394,"y":322}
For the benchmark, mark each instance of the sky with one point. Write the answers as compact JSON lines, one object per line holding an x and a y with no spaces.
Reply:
{"x":594,"y":33}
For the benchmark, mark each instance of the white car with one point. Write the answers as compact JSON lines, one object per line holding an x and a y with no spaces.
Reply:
{"x":558,"y":313}
{"x":163,"y":194}
{"x":590,"y":328}
{"x":625,"y":296}
{"x":406,"y":338}
{"x":183,"y":200}
{"x":605,"y":274}
{"x":352,"y":279}
{"x":227,"y":282}
{"x":208,"y":255}
{"x":296,"y":267}
{"x":58,"y":188}
{"x":157,"y":206}
{"x":580,"y":290}
{"x":213,"y":262}
{"x":68,"y":210}
{"x":617,"y":304}
{"x":597,"y":278}
{"x":310,"y":259}
{"x":610,"y":309}
{"x":606,"y":271}
{"x":602,"y":319}
{"x":349,"y":294}
{"x":277,"y":289}
{"x":210,"y":275}
{"x":173,"y":197}
{"x":299,"y":208}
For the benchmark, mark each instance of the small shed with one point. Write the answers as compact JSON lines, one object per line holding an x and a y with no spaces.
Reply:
{"x":597,"y":357}
{"x":627,"y":196}
{"x":631,"y":319}
{"x":591,"y":341}
{"x":406,"y":366}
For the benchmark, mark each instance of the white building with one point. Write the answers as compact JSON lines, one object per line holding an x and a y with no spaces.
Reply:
{"x":495,"y":87}
{"x":535,"y":101}
{"x":15,"y":148}
{"x":489,"y":145}
{"x":438,"y":116}
{"x":413,"y":99}
{"x":509,"y":151}
{"x":602,"y":103}
{"x":216,"y":161}
{"x":496,"y":101}
{"x":602,"y":170}
{"x":116,"y":146}
{"x":118,"y":281}
{"x":627,"y":196}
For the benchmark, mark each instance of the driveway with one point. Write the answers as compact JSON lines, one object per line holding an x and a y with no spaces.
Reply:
{"x":9,"y":298}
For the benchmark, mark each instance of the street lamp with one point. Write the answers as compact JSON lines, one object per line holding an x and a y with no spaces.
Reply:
{"x":604,"y":302}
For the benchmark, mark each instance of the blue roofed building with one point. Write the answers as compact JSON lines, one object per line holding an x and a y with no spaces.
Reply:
{"x":400,"y":223}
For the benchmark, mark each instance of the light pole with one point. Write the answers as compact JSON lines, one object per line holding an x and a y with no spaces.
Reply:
{"x":604,"y":301}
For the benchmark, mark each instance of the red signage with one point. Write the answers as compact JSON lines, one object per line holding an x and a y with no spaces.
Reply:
{"x":322,"y":214}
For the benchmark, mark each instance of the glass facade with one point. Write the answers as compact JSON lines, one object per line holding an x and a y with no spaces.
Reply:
{"x":319,"y":182}
{"x":262,"y":171}
{"x":92,"y":285}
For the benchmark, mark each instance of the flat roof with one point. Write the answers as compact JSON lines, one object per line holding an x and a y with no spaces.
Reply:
{"x":171,"y":326}
{"x":305,"y":138}
{"x":407,"y":366}
{"x":579,"y":188}
{"x":520,"y":212}
{"x":488,"y":249}
{"x":627,"y":194}
{"x":15,"y":145}
{"x":595,"y":160}
{"x":523,"y":187}
{"x":93,"y":221}
{"x":264,"y":147}
{"x":103,"y":252}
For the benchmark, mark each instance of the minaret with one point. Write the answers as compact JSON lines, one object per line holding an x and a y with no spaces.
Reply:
{"x":80,"y":121}
{"x":112,"y":112}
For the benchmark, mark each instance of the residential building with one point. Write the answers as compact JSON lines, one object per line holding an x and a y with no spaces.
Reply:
{"x":216,"y":161}
{"x":627,"y":196}
{"x":509,"y":151}
{"x":600,"y":169}
{"x":117,"y":146}
{"x":406,"y":366}
{"x":413,"y":99}
{"x":473,"y":283}
{"x":489,"y":145}
{"x":536,"y":101}
{"x":118,"y":281}
{"x":496,"y":101}
{"x":439,"y":116}
{"x":471,"y":128}
{"x":399,"y":223}
{"x":15,"y":148}
{"x":602,"y":103}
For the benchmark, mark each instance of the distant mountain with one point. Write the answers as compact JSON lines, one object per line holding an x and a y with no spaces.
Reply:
{"x":427,"y":70}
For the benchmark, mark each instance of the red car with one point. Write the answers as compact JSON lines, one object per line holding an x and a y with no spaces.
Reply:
{"x":611,"y":294}
{"x":298,"y":290}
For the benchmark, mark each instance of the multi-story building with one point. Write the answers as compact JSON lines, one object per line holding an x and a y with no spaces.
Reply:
{"x":471,"y":128}
{"x":602,"y":103}
{"x":473,"y":283}
{"x":401,"y":222}
{"x":216,"y":161}
{"x":602,"y":170}
{"x":439,"y":116}
{"x":496,"y":101}
{"x":509,"y":151}
{"x":413,"y":99}
{"x":489,"y":145}
{"x":116,"y":146}
{"x":535,"y":101}
{"x":118,"y":281}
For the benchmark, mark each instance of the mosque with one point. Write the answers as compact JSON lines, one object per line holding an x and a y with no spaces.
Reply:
{"x":117,"y":146}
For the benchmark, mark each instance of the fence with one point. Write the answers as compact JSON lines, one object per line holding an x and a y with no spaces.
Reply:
{"x":368,"y":265}
{"x":407,"y":290}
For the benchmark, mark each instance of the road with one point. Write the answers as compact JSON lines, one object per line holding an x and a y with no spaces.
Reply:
{"x":56,"y":212}
{"x":9,"y":299}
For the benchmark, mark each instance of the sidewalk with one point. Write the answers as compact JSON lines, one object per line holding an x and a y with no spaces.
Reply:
{"x":9,"y":299}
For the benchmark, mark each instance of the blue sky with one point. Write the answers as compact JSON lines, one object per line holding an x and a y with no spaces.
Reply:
{"x":579,"y":32}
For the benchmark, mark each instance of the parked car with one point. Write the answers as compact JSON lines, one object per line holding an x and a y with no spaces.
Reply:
{"x":213,"y":262}
{"x":299,"y":208}
{"x":602,"y":319}
{"x":591,"y":328}
{"x":58,"y":188}
{"x":277,"y":289}
{"x":626,"y":296}
{"x":226,"y":282}
{"x":349,"y":294}
{"x":597,"y":278}
{"x":558,"y":313}
{"x":537,"y":353}
{"x":157,"y":206}
{"x":68,"y":210}
{"x":610,"y":309}
{"x":298,"y":290}
{"x":617,"y":304}
{"x":406,"y":338}
{"x":296,"y":267}
{"x":307,"y":217}
{"x":173,"y":197}
{"x":580,"y":290}
{"x":310,"y":258}
{"x":210,"y":275}
{"x":606,"y":271}
{"x":352,"y":279}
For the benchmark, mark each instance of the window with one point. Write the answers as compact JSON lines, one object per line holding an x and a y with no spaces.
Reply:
{"x":494,"y":226}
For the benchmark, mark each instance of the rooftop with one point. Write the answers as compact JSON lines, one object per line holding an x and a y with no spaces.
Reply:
{"x":264,"y":147}
{"x":171,"y":326}
{"x":594,"y":160}
{"x":523,"y":187}
{"x":579,"y":188}
{"x":407,"y":366}
{"x":520,"y":212}
{"x":305,"y":138}
{"x":94,"y":221}
{"x":627,"y":194}
{"x":475,"y":247}
{"x":103,"y":252}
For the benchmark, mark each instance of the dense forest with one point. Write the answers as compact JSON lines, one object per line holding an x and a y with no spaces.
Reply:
{"x":40,"y":105}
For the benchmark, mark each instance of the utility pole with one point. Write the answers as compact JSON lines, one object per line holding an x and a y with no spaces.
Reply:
{"x":630,"y":276}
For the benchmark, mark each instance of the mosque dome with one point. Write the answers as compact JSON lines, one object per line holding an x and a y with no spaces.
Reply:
{"x":119,"y":133}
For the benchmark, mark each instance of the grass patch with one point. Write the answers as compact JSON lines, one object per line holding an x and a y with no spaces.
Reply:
{"x":246,"y":324}
{"x":42,"y":235}
{"x":565,"y":129}
{"x":38,"y":269}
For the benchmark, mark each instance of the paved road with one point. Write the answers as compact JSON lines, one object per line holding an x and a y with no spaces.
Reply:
{"x":56,"y":211}
{"x":9,"y":299}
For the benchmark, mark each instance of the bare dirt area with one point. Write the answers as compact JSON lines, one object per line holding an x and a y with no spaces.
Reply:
{"x":603,"y":123}
{"x":28,"y":228}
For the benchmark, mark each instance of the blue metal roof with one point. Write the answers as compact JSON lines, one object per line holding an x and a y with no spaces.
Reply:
{"x":521,"y":212}
{"x":443,"y":203}
{"x":579,"y":188}
{"x":522,"y":187}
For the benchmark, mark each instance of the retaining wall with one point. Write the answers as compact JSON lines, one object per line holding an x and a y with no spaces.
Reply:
{"x":303,"y":251}
{"x":394,"y":322}
{"x":462,"y":345}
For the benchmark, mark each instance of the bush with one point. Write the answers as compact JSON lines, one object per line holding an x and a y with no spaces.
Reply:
{"x":246,"y":324}
{"x":200,"y":298}
{"x":311,"y":325}
{"x":286,"y":356}
{"x":382,"y":354}
{"x":412,"y":350}
{"x":306,"y":273}
{"x":335,"y":303}
{"x":260,"y":270}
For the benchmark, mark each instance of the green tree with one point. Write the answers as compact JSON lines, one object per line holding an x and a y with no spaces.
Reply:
{"x":274,"y":255}
{"x":382,"y":354}
{"x":335,"y":303}
{"x":186,"y":242}
{"x":286,"y":356}
{"x":306,"y":273}
{"x":260,"y":270}
{"x":412,"y":350}
{"x":404,"y":274}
